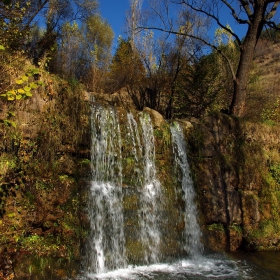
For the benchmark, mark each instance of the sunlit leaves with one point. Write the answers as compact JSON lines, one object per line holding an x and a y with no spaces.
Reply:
{"x":33,"y":85}
{"x":23,"y":86}
{"x":8,"y":123}
{"x":100,"y":35}
{"x":21,"y":91}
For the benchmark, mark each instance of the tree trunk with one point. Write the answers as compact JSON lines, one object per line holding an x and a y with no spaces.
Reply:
{"x":247,"y":53}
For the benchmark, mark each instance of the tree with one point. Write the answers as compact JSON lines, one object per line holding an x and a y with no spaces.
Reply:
{"x":127,"y":70}
{"x":254,"y":14}
{"x":133,"y":19}
{"x":200,"y":88}
{"x":98,"y":43}
{"x":19,"y":19}
{"x":12,"y":27}
{"x":83,"y":52}
{"x":65,"y":59}
{"x":54,"y":15}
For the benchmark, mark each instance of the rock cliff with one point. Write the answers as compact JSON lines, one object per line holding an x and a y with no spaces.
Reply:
{"x":236,"y":171}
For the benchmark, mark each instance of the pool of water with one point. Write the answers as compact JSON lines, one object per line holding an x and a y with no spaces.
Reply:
{"x":261,"y":266}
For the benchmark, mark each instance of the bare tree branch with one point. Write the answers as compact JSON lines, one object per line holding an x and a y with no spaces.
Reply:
{"x":197,"y":38}
{"x":234,"y":14}
{"x":272,"y":11}
{"x":35,"y":14}
{"x":211,"y":15}
{"x":256,"y":14}
{"x":246,"y":6}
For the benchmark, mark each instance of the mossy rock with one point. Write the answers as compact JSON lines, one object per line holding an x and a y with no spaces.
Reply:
{"x":131,"y":202}
{"x":134,"y":250}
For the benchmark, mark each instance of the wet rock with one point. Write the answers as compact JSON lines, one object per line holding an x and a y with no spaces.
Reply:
{"x":156,"y":117}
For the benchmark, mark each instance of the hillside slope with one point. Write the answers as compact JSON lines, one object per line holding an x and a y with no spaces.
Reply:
{"x":263,"y":98}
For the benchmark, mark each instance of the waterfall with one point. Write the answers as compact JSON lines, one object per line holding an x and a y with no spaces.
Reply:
{"x":148,"y":186}
{"x":123,"y":169}
{"x":193,"y":246}
{"x":137,"y":149}
{"x":135,"y":137}
{"x":106,"y":242}
{"x":150,"y":197}
{"x":105,"y":247}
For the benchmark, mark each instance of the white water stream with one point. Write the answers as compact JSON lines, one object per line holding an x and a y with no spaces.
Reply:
{"x":105,"y":253}
{"x":193,"y":245}
{"x":105,"y":249}
{"x":150,"y":197}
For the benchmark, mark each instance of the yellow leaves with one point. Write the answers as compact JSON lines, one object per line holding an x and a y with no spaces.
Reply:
{"x":26,"y":86}
{"x":21,"y":91}
{"x":8,"y":123}
{"x":33,"y":85}
{"x":22,"y":80}
{"x":19,"y":82}
{"x":224,"y":37}
{"x":10,"y":98}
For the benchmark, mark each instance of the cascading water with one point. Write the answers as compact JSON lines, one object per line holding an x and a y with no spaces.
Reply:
{"x":137,"y":149}
{"x":105,"y":254}
{"x":106,"y":244}
{"x":105,"y":248}
{"x":193,"y":246}
{"x":150,"y":196}
{"x":148,"y":186}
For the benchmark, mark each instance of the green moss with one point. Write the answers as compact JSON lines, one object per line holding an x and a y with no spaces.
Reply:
{"x":46,"y":245}
{"x":84,"y":161}
{"x":130,"y":202}
{"x":275,"y":172}
{"x":7,"y":162}
{"x":39,"y":267}
{"x":236,"y":228}
{"x":134,"y":250}
{"x":216,"y":227}
{"x":266,"y":228}
{"x":163,"y":138}
{"x":129,"y":161}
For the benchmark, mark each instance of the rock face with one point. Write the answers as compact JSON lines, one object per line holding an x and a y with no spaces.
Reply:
{"x":234,"y":165}
{"x":157,"y":118}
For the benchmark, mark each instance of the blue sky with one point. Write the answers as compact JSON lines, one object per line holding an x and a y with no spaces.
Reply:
{"x":114,"y":11}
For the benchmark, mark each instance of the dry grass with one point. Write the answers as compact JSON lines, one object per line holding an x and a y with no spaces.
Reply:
{"x":263,"y":92}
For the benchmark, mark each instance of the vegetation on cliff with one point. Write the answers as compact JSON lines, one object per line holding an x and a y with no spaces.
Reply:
{"x":44,"y":157}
